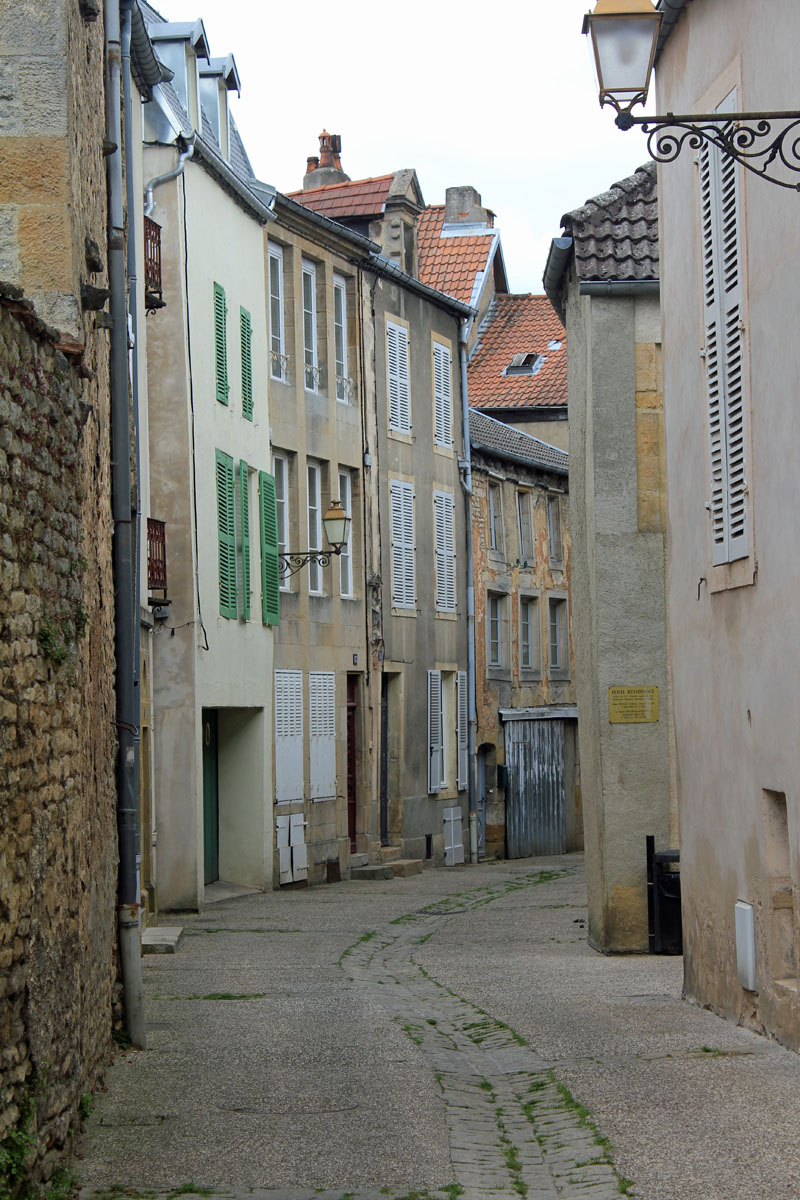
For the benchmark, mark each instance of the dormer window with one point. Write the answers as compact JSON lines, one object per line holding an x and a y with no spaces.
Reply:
{"x":525,"y":364}
{"x":180,"y":45}
{"x":217,"y":78}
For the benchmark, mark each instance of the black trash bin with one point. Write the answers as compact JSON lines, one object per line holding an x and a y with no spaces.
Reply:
{"x":663,"y":900}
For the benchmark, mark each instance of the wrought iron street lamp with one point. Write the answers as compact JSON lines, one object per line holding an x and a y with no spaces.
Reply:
{"x":337,"y":530}
{"x":624,"y":35}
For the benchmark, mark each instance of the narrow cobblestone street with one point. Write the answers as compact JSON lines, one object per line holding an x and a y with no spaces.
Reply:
{"x":449,"y":1033}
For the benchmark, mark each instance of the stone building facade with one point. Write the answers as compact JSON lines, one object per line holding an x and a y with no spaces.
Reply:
{"x":57,"y":709}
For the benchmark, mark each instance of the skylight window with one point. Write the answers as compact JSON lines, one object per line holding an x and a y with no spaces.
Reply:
{"x":554,"y":345}
{"x":525,"y":364}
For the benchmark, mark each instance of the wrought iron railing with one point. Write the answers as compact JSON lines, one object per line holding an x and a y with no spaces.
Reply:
{"x":152,"y":257}
{"x":156,"y":556}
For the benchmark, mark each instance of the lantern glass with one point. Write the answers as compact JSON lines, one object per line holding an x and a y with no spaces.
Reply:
{"x":624,"y":37}
{"x":337,"y":525}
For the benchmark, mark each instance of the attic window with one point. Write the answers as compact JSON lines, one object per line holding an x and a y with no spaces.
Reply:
{"x":554,"y":345}
{"x":525,"y":364}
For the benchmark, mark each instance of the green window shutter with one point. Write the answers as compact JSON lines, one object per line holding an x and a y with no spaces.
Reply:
{"x":247,"y":363}
{"x":226,"y":524}
{"x":270,"y":573}
{"x":244,"y":502}
{"x":220,"y":344}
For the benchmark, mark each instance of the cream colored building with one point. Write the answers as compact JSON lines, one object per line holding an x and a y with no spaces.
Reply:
{"x":730,"y":245}
{"x":210,"y":482}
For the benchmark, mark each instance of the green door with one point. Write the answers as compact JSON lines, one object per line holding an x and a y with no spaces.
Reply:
{"x":210,"y":797}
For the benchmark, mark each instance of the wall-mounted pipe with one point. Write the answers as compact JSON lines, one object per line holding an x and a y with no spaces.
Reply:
{"x":185,"y":155}
{"x":466,"y":483}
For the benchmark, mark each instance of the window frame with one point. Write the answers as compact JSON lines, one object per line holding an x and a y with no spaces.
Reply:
{"x":495,"y":506}
{"x":280,"y":472}
{"x":308,"y":270}
{"x":554,"y":531}
{"x":340,"y":334}
{"x":494,"y":601}
{"x":277,"y":354}
{"x":442,"y":395}
{"x":525,"y":501}
{"x":399,"y":380}
{"x":402,"y":518}
{"x":530,"y":602}
{"x":346,"y":555}
{"x":558,"y":606}
{"x":314,"y":526}
{"x":444,"y":552}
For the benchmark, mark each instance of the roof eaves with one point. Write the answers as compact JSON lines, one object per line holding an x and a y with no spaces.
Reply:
{"x":671,"y":10}
{"x":558,"y":257}
{"x":333,"y":227}
{"x":146,"y":69}
{"x":216,"y":165}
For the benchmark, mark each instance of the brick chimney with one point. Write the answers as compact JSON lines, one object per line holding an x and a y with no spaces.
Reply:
{"x":328,"y":167}
{"x":462,"y":206}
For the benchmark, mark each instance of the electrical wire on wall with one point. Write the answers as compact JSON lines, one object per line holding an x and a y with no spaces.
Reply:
{"x":191,"y":407}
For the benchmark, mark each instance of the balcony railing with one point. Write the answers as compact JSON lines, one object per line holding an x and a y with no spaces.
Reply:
{"x":152,"y":264}
{"x":156,"y":556}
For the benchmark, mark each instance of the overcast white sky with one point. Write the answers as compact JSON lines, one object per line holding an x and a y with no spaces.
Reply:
{"x":497,"y":95}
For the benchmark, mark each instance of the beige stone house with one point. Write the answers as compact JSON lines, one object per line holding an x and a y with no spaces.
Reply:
{"x":602,"y":277}
{"x":528,"y":779}
{"x":209,"y":470}
{"x":730,"y":247}
{"x":414,"y":521}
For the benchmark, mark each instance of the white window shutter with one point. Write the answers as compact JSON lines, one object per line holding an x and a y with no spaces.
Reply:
{"x":442,"y":396}
{"x":462,"y":731}
{"x":401,"y":504}
{"x":284,"y":850}
{"x":397,"y":378}
{"x":444,"y":543}
{"x":288,"y":735}
{"x":434,"y":731}
{"x":453,"y":837}
{"x":322,"y":734}
{"x":724,"y":351}
{"x":297,"y":842}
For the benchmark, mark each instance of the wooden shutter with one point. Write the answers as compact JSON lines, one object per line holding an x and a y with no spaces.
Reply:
{"x":247,"y":363}
{"x":445,"y":553}
{"x":322,"y":734}
{"x":226,"y":531}
{"x":398,"y":378}
{"x":442,"y":396}
{"x":434,"y":731}
{"x":297,"y":841}
{"x":284,"y":849}
{"x":270,"y":572}
{"x":453,"y":837}
{"x":244,"y":522}
{"x":288,"y":735}
{"x":462,"y":731}
{"x":724,"y":351}
{"x":401,"y":501}
{"x":220,"y":343}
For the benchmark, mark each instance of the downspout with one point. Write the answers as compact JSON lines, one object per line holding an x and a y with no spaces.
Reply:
{"x":133,"y":317}
{"x":185,"y":155}
{"x":124,"y":610}
{"x":465,"y":466}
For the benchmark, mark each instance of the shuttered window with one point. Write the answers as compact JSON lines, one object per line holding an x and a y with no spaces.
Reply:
{"x":280,"y":471}
{"x":445,"y":552}
{"x":340,"y":338}
{"x":226,"y":532}
{"x":462,"y":731}
{"x":311,"y":364}
{"x":401,"y":503}
{"x":314,"y":517}
{"x":246,"y":332}
{"x":495,"y":518}
{"x":270,"y":574}
{"x":346,"y":555}
{"x":244,"y":534}
{"x":724,"y":351}
{"x":442,"y":397}
{"x":322,"y":734}
{"x":554,"y":530}
{"x":220,"y":343}
{"x":288,"y":735}
{"x":397,"y":378}
{"x":434,"y":731}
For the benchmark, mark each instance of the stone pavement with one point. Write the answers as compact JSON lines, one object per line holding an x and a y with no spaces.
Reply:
{"x":449,"y":1033}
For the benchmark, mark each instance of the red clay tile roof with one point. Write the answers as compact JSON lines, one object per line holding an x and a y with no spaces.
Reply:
{"x":519,"y":325}
{"x":359,"y":198}
{"x":449,"y":264}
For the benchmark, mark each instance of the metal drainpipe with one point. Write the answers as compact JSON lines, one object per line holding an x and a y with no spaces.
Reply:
{"x":125,"y":613}
{"x":466,"y":483}
{"x":133,"y":317}
{"x":185,"y":155}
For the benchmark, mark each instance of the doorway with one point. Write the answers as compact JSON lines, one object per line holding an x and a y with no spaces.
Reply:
{"x":210,"y":796}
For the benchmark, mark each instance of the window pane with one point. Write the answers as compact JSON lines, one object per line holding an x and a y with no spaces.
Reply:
{"x":345,"y":558}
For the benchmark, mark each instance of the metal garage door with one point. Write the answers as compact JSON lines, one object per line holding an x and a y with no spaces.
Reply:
{"x":535,"y":820}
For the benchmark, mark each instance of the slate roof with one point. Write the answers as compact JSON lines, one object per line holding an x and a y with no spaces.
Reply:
{"x":519,"y":324}
{"x":615,"y":234}
{"x":361,"y":198}
{"x":450,"y":264}
{"x":485,"y":433}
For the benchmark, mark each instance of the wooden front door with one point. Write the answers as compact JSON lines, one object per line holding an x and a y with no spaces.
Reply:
{"x":352,"y":704}
{"x":210,"y":797}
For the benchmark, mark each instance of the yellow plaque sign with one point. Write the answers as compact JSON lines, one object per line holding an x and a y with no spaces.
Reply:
{"x":632,"y":705}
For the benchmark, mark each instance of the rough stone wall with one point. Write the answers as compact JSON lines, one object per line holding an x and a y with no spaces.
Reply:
{"x":58,"y":849}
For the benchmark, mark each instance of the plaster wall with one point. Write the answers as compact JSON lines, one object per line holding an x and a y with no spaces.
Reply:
{"x":618,"y":596}
{"x":202,"y":659}
{"x":732,"y":629}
